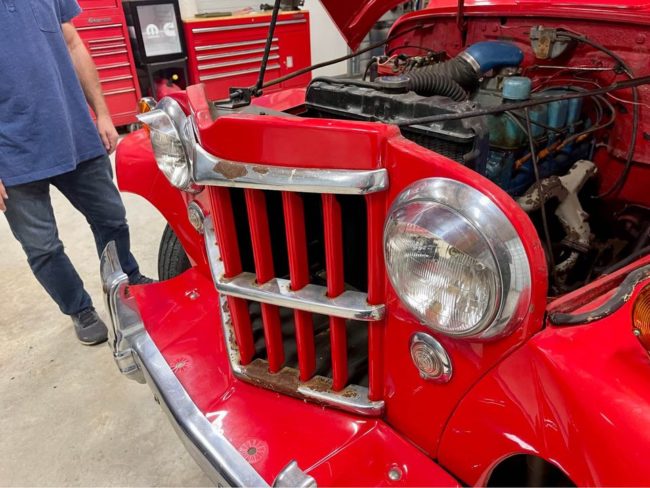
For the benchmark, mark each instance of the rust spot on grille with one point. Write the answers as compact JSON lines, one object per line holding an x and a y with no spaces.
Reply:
{"x":230,"y":171}
{"x":321,"y":384}
{"x":262,"y":170}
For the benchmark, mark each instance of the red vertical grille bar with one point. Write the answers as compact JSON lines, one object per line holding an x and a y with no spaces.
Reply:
{"x":335,"y":286}
{"x":263,"y":257}
{"x":376,"y":280}
{"x":294,"y":219}
{"x":224,"y":226}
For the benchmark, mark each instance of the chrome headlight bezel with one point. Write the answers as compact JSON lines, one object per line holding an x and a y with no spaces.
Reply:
{"x":168,"y":120}
{"x":490,"y":224}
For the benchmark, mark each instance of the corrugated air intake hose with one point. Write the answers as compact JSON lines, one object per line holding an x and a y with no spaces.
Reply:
{"x":456,"y":77}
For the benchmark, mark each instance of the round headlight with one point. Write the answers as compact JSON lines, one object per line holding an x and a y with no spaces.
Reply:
{"x":173,"y":141}
{"x":455,"y":260}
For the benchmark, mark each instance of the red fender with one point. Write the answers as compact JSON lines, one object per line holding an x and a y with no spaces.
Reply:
{"x":137,"y":172}
{"x":574,"y":396}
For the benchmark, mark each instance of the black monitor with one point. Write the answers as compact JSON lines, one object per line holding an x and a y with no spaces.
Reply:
{"x":155,"y":29}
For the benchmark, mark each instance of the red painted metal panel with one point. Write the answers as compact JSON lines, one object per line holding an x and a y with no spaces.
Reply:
{"x":343,"y":449}
{"x":335,"y":286}
{"x":263,"y":257}
{"x":375,"y":205}
{"x":406,"y":391}
{"x":224,"y":224}
{"x":294,"y":219}
{"x":350,"y":144}
{"x":568,"y":390}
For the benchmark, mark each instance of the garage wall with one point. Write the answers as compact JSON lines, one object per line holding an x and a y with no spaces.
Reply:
{"x":326,"y":41}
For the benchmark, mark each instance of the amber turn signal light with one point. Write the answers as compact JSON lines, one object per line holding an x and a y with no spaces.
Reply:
{"x":641,"y":318}
{"x":146,"y":104}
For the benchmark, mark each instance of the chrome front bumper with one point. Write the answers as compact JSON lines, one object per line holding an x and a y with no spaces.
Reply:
{"x":137,"y":357}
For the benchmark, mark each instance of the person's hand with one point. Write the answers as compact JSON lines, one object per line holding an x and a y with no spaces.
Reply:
{"x":107,"y":132}
{"x":3,"y":197}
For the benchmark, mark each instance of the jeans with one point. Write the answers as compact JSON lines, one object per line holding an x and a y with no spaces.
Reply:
{"x":91,"y":190}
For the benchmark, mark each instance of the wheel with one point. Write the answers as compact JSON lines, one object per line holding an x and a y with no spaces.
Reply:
{"x":172,"y":259}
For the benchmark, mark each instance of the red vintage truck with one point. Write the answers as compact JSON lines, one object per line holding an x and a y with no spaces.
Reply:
{"x":436,"y":275}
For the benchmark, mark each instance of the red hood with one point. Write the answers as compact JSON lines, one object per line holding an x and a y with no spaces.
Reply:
{"x":355,"y":18}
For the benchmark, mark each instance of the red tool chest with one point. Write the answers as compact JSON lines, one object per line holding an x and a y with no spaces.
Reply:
{"x":227,"y":51}
{"x":103,"y":30}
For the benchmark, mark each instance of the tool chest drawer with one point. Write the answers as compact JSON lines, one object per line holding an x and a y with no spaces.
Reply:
{"x":103,"y":30}
{"x":94,"y":4}
{"x":227,"y":52}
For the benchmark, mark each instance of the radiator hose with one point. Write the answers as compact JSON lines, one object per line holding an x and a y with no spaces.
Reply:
{"x":456,"y":77}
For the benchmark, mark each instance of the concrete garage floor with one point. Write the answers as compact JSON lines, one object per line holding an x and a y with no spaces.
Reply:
{"x":67,"y":417}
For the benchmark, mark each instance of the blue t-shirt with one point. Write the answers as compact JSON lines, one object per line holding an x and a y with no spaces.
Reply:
{"x":45,"y":125}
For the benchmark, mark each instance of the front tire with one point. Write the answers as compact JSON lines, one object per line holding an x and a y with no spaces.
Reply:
{"x":172,"y":259}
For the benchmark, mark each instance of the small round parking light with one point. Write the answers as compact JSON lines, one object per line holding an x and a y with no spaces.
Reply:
{"x":430,"y":358}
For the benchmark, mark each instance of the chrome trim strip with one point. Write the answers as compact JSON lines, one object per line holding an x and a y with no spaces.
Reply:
{"x":351,"y":305}
{"x":216,"y":456}
{"x":231,"y":44}
{"x":94,"y":27}
{"x":292,"y":475}
{"x":352,"y":398}
{"x":229,"y":74}
{"x":231,"y":54}
{"x":202,"y":67}
{"x":210,"y":170}
{"x":205,"y":30}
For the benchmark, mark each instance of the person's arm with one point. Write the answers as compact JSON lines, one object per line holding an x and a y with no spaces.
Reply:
{"x":87,"y":74}
{"x":3,"y":197}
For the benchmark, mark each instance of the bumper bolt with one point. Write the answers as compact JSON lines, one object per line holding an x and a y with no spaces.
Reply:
{"x":395,"y":474}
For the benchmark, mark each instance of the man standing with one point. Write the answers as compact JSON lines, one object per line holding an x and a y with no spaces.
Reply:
{"x":47,"y":137}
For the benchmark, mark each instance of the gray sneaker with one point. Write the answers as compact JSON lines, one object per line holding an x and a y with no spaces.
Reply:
{"x":89,"y":327}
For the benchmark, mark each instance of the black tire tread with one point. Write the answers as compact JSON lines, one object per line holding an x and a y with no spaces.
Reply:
{"x":172,"y":259}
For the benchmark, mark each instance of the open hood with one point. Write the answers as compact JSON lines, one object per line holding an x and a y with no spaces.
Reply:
{"x":355,"y":18}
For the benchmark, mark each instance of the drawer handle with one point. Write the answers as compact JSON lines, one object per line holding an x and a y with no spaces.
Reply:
{"x":230,"y":74}
{"x":118,"y":92}
{"x":108,"y":46}
{"x":204,"y":30}
{"x":233,"y":53}
{"x":116,"y":65}
{"x":116,"y":78}
{"x":236,"y":63}
{"x":97,"y":55}
{"x":94,"y":27}
{"x":106,"y":39}
{"x":232,"y":44}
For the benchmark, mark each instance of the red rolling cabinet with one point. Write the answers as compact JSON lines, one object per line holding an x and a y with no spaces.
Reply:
{"x":103,"y":30}
{"x":227,"y":51}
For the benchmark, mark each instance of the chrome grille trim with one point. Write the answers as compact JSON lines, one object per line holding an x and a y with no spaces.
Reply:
{"x":351,"y":305}
{"x":352,"y":398}
{"x":212,"y":171}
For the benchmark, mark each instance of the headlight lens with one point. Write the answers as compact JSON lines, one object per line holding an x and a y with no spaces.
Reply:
{"x":455,"y":260}
{"x":173,"y":141}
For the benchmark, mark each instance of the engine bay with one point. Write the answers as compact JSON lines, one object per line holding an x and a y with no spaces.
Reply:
{"x":569,"y":163}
